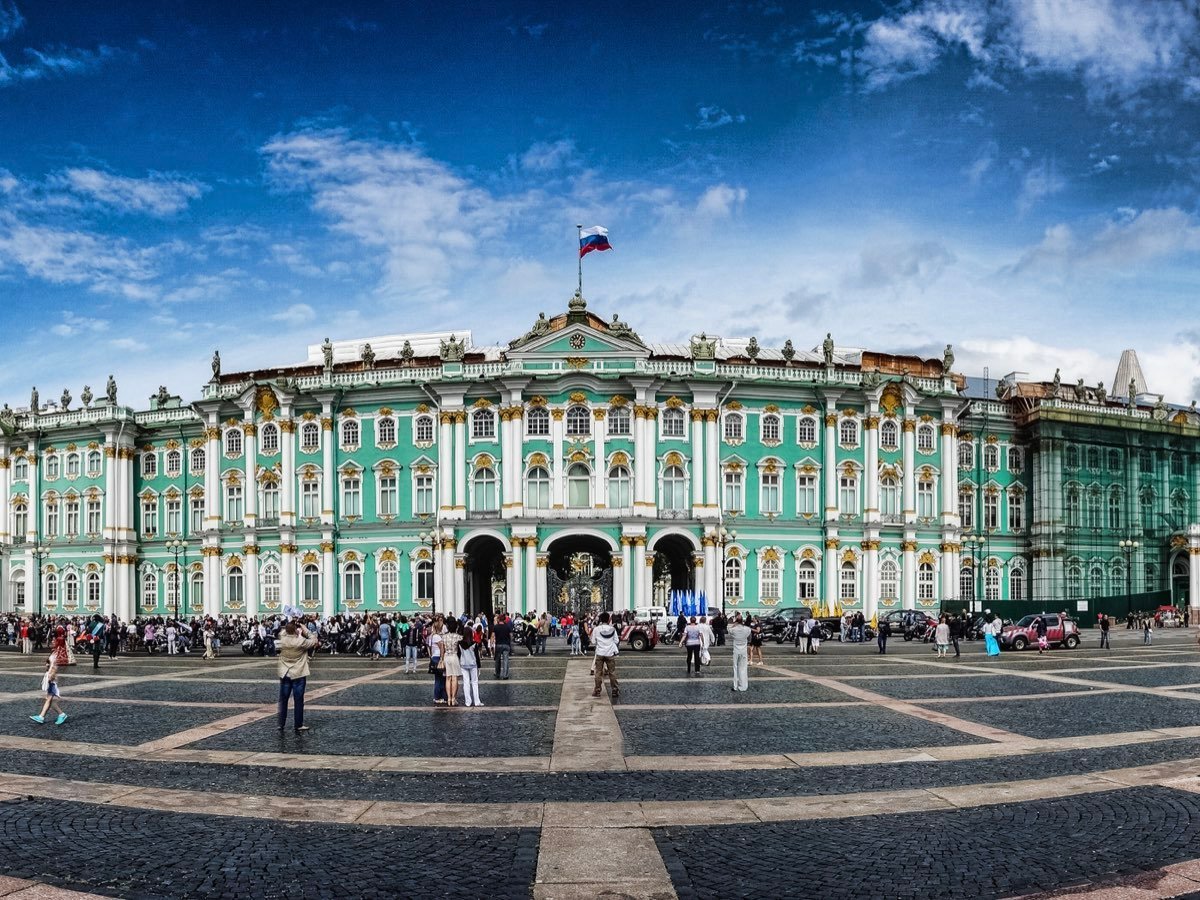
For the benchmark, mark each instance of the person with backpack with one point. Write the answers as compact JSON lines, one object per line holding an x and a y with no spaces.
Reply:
{"x":608,"y":646}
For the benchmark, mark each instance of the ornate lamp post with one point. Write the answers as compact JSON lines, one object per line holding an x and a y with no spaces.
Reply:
{"x":175,"y":547}
{"x":1128,"y":549}
{"x":976,"y":545}
{"x":725,"y":537}
{"x":430,"y":537}
{"x":40,"y":552}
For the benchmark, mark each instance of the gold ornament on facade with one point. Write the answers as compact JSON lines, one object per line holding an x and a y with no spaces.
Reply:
{"x":673,"y":459}
{"x":388,"y":555}
{"x":577,"y":456}
{"x":733,"y":466}
{"x":808,"y":553}
{"x":483,"y":403}
{"x":350,"y":556}
{"x":543,"y":561}
{"x":848,"y":556}
{"x":578,"y":397}
{"x":538,"y":459}
{"x":249,"y":429}
{"x":250,"y":549}
{"x":599,"y":413}
{"x":926,"y":474}
{"x":484,"y":460}
{"x":770,"y":555}
{"x":733,"y":405}
{"x":109,"y":559}
{"x":870,"y":545}
{"x":908,"y":426}
{"x":326,"y":423}
{"x":288,"y":548}
{"x":832,"y":543}
{"x":992,"y":439}
{"x":949,"y":430}
{"x":326,"y":546}
{"x":556,"y":414}
{"x":234,"y":560}
{"x":831,"y":420}
{"x":927,"y":557}
{"x":577,"y":362}
{"x":872,"y":423}
{"x":310,"y":558}
{"x":423,"y":469}
{"x":674,"y":403}
{"x":908,"y":546}
{"x":387,"y":469}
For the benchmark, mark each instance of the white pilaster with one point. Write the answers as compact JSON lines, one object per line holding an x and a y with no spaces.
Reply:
{"x":556,"y":459}
{"x":329,"y":577}
{"x":699,"y":469}
{"x":460,"y":463}
{"x":908,"y":477}
{"x":329,"y":481}
{"x":830,"y":567}
{"x":871,"y":466}
{"x":871,"y":579}
{"x":445,"y":473}
{"x":829,"y":466}
{"x":638,"y":573}
{"x":287,"y":495}
{"x":908,"y":584}
{"x":600,"y":469}
{"x":516,"y":576}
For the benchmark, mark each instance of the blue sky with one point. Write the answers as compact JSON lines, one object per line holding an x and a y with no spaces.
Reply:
{"x":1019,"y":177}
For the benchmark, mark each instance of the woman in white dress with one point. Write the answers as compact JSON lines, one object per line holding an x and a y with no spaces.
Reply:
{"x":452,"y":666}
{"x":468,"y":658}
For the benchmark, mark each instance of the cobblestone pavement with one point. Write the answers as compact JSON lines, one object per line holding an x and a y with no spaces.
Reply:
{"x":693,"y":790}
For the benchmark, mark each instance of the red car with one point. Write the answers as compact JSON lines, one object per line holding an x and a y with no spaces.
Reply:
{"x":640,"y":635}
{"x":1060,"y":632}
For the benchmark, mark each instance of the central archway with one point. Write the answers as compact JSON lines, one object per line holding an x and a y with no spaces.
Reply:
{"x":579,"y":575}
{"x":485,"y":576}
{"x":674,"y":554}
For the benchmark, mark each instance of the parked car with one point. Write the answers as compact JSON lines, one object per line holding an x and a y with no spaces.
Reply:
{"x":640,"y":635}
{"x":1060,"y":632}
{"x":779,"y":621}
{"x":909,"y":623}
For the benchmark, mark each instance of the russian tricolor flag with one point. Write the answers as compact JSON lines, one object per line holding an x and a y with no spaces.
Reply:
{"x":594,"y":238}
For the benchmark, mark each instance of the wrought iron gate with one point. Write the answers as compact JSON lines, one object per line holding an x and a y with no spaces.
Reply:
{"x":581,"y":594}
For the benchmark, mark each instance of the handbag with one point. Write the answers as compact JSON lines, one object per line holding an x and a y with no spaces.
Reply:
{"x":705,"y":659}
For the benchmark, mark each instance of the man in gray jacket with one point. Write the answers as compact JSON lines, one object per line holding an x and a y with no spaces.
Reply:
{"x":608,"y":644}
{"x":739,"y":637}
{"x":293,"y":649}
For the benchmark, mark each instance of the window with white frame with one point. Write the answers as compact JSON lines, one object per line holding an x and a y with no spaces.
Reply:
{"x":991,"y":457}
{"x":51,"y":517}
{"x":925,"y":494}
{"x":71,"y":590}
{"x":733,"y":427}
{"x":198,"y":459}
{"x":771,"y":429}
{"x":1016,"y":511}
{"x":966,"y":455}
{"x":270,"y":585}
{"x":848,"y":433}
{"x":73,"y":465}
{"x":674,"y":488}
{"x":270,"y":502}
{"x":889,"y":435}
{"x":1074,"y":506}
{"x":197,"y":589}
{"x":93,"y":590}
{"x":619,"y":421}
{"x":1115,"y":502}
{"x":351,"y":494}
{"x":174,"y":515}
{"x":72,"y":516}
{"x":94,"y":463}
{"x":925,"y":581}
{"x":579,"y":421}
{"x":1179,"y":503}
{"x":352,"y":583}
{"x":889,"y":580}
{"x":310,"y":584}
{"x":149,"y":465}
{"x":889,"y":496}
{"x":991,"y":584}
{"x":847,"y":581}
{"x":1178,"y":465}
{"x":310,"y":499}
{"x":389,"y":582}
{"x":197,"y":514}
{"x":20,"y":519}
{"x":20,"y":469}
{"x":424,"y":580}
{"x":848,"y":495}
{"x":579,"y":487}
{"x":235,"y":508}
{"x":1096,"y":581}
{"x":733,"y":578}
{"x":1093,"y":507}
{"x":926,"y":439}
{"x":772,"y":580}
{"x":310,"y":437}
{"x":1071,"y":457}
{"x":770,"y":501}
{"x":1114,"y":460}
{"x":174,"y":465}
{"x":149,"y":590}
{"x":537,"y":422}
{"x":734,"y":499}
{"x":1146,"y":501}
{"x":1016,"y":460}
{"x":966,"y":509}
{"x":483,"y":425}
{"x":806,"y":581}
{"x":150,"y":515}
{"x":806,"y":495}
{"x":50,"y":589}
{"x":1150,"y":573}
{"x":269,"y":438}
{"x":235,"y":586}
{"x":350,"y":434}
{"x":93,"y":515}
{"x":423,"y":495}
{"x":1093,"y":458}
{"x":537,"y":488}
{"x":966,"y":583}
{"x":619,"y":492}
{"x":53,"y":467}
{"x":674,"y":423}
{"x":1016,"y":584}
{"x":423,"y":430}
{"x":233,"y":442}
{"x":389,"y":495}
{"x":991,"y":509}
{"x":483,"y":486}
{"x":806,"y":430}
{"x":385,"y":430}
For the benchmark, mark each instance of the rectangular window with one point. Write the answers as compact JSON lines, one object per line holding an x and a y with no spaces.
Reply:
{"x":772,"y":501}
{"x":1016,"y":512}
{"x":733,"y":492}
{"x":847,"y":582}
{"x":966,"y":509}
{"x":388,"y":496}
{"x":991,"y":510}
{"x":806,"y":577}
{"x":270,"y":503}
{"x":149,"y":465}
{"x":197,"y":514}
{"x":93,"y":517}
{"x":848,"y":495}
{"x":771,"y":581}
{"x":424,"y":495}
{"x":174,"y":516}
{"x":310,"y":500}
{"x":234,"y":503}
{"x":72,"y":518}
{"x":806,"y":495}
{"x":925,"y":499}
{"x":52,"y":520}
{"x":351,"y":497}
{"x":149,"y":517}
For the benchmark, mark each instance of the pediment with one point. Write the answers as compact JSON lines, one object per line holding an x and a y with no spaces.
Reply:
{"x":578,"y":340}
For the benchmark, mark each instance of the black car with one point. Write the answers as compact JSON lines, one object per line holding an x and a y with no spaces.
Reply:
{"x":774,"y":625}
{"x":908,"y":623}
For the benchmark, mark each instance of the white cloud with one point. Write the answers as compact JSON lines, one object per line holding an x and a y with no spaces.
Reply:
{"x":11,"y":20}
{"x":917,"y":263}
{"x":64,"y":256}
{"x":73,"y":324}
{"x":1130,"y":240}
{"x":1039,"y":183}
{"x":548,"y":156}
{"x":127,"y":343}
{"x":51,"y":63}
{"x":295,"y":315}
{"x":720,"y":202}
{"x":711,"y":117}
{"x":157,"y":195}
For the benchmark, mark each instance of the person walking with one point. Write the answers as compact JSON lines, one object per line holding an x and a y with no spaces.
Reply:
{"x":543,"y":632}
{"x":293,"y":648}
{"x":113,"y":633}
{"x":756,"y":640}
{"x":941,"y":635}
{"x":1039,"y":626}
{"x":468,"y":659}
{"x":739,"y":639}
{"x":436,"y":643}
{"x":451,"y":664}
{"x":691,"y":641}
{"x":51,"y":692}
{"x":99,"y":634}
{"x":608,"y":645}
{"x":502,"y":634}
{"x":172,"y":634}
{"x":990,"y":631}
{"x":385,"y":638}
{"x":26,"y":640}
{"x":1105,"y":624}
{"x":958,"y":631}
{"x":882,"y":633}
{"x":411,"y":641}
{"x":1148,"y":631}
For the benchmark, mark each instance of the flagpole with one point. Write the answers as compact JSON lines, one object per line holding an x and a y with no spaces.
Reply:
{"x":579,"y":249}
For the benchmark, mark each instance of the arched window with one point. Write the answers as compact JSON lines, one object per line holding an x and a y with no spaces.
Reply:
{"x":20,"y":469}
{"x":310,"y":584}
{"x":806,"y":430}
{"x":423,"y":430}
{"x":806,"y":581}
{"x":51,"y":589}
{"x":71,"y":590}
{"x":72,"y":465}
{"x":991,"y":583}
{"x":537,"y":488}
{"x":198,"y":460}
{"x":233,"y":442}
{"x":1073,"y":507}
{"x":149,"y":465}
{"x":1146,"y":501}
{"x":772,"y":581}
{"x":1114,"y":507}
{"x":1150,"y":573}
{"x":991,"y":457}
{"x":1016,"y":584}
{"x":674,"y":423}
{"x":619,"y":422}
{"x":1117,"y":576}
{"x":925,"y":581}
{"x":847,"y":581}
{"x":174,"y":463}
{"x":1071,"y":460}
{"x":350,"y":434}
{"x":848,"y":433}
{"x":352,"y":584}
{"x":889,"y":496}
{"x":424,"y":580}
{"x":483,"y":425}
{"x":889,"y":434}
{"x":619,"y":494}
{"x":674,"y":494}
{"x":889,"y":580}
{"x":537,"y":422}
{"x":1074,"y":582}
{"x":268,"y":439}
{"x":926,"y":439}
{"x":1093,"y":507}
{"x":733,"y":579}
{"x":270,"y":584}
{"x":771,"y":429}
{"x":966,"y":583}
{"x":1096,"y":581}
{"x":270,"y":502}
{"x":197,"y":589}
{"x":484,"y":485}
{"x":966,"y":455}
{"x":93,"y":590}
{"x":149,"y":590}
{"x":235,"y":586}
{"x":94,"y":464}
{"x":389,"y":582}
{"x":733,"y":427}
{"x":1016,"y":460}
{"x":310,"y":437}
{"x":1093,"y":458}
{"x":385,"y":430}
{"x":20,"y":520}
{"x":579,"y":487}
{"x":579,"y":421}
{"x":53,"y":467}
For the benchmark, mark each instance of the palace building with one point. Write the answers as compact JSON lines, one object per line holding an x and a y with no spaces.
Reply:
{"x":582,"y":465}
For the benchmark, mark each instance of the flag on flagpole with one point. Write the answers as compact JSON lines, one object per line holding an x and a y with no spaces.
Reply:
{"x":594,"y":238}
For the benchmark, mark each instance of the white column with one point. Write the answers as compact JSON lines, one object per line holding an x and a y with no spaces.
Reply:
{"x":329,"y":579}
{"x":950,"y":566}
{"x":712,"y":456}
{"x":600,"y":469}
{"x":212,"y":580}
{"x":516,"y":575}
{"x":532,"y":575}
{"x":871,"y":579}
{"x":250,"y":568}
{"x":540,"y":599}
{"x":908,"y":479}
{"x":110,"y":587}
{"x":871,"y":465}
{"x":639,"y":457}
{"x":699,"y":469}
{"x":949,"y":471}
{"x":446,"y":574}
{"x":460,"y":461}
{"x":125,"y":518}
{"x":556,"y":459}
{"x":506,"y":458}
{"x":1194,"y":581}
{"x":329,"y":481}
{"x":908,"y":584}
{"x":212,"y":481}
{"x":460,"y":586}
{"x":287,"y":495}
{"x":712,"y":571}
{"x":646,"y":575}
{"x":830,"y":567}
{"x":639,"y":569}
{"x":251,"y":447}
{"x":445,"y":473}
{"x":287,"y":573}
{"x":829,"y":467}
{"x":650,"y":456}
{"x":110,"y":492}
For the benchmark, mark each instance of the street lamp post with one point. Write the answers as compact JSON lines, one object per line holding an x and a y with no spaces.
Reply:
{"x":975,"y":544}
{"x":1128,"y":548}
{"x":40,"y":552}
{"x":175,"y":547}
{"x":725,"y":537}
{"x":430,"y":537}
